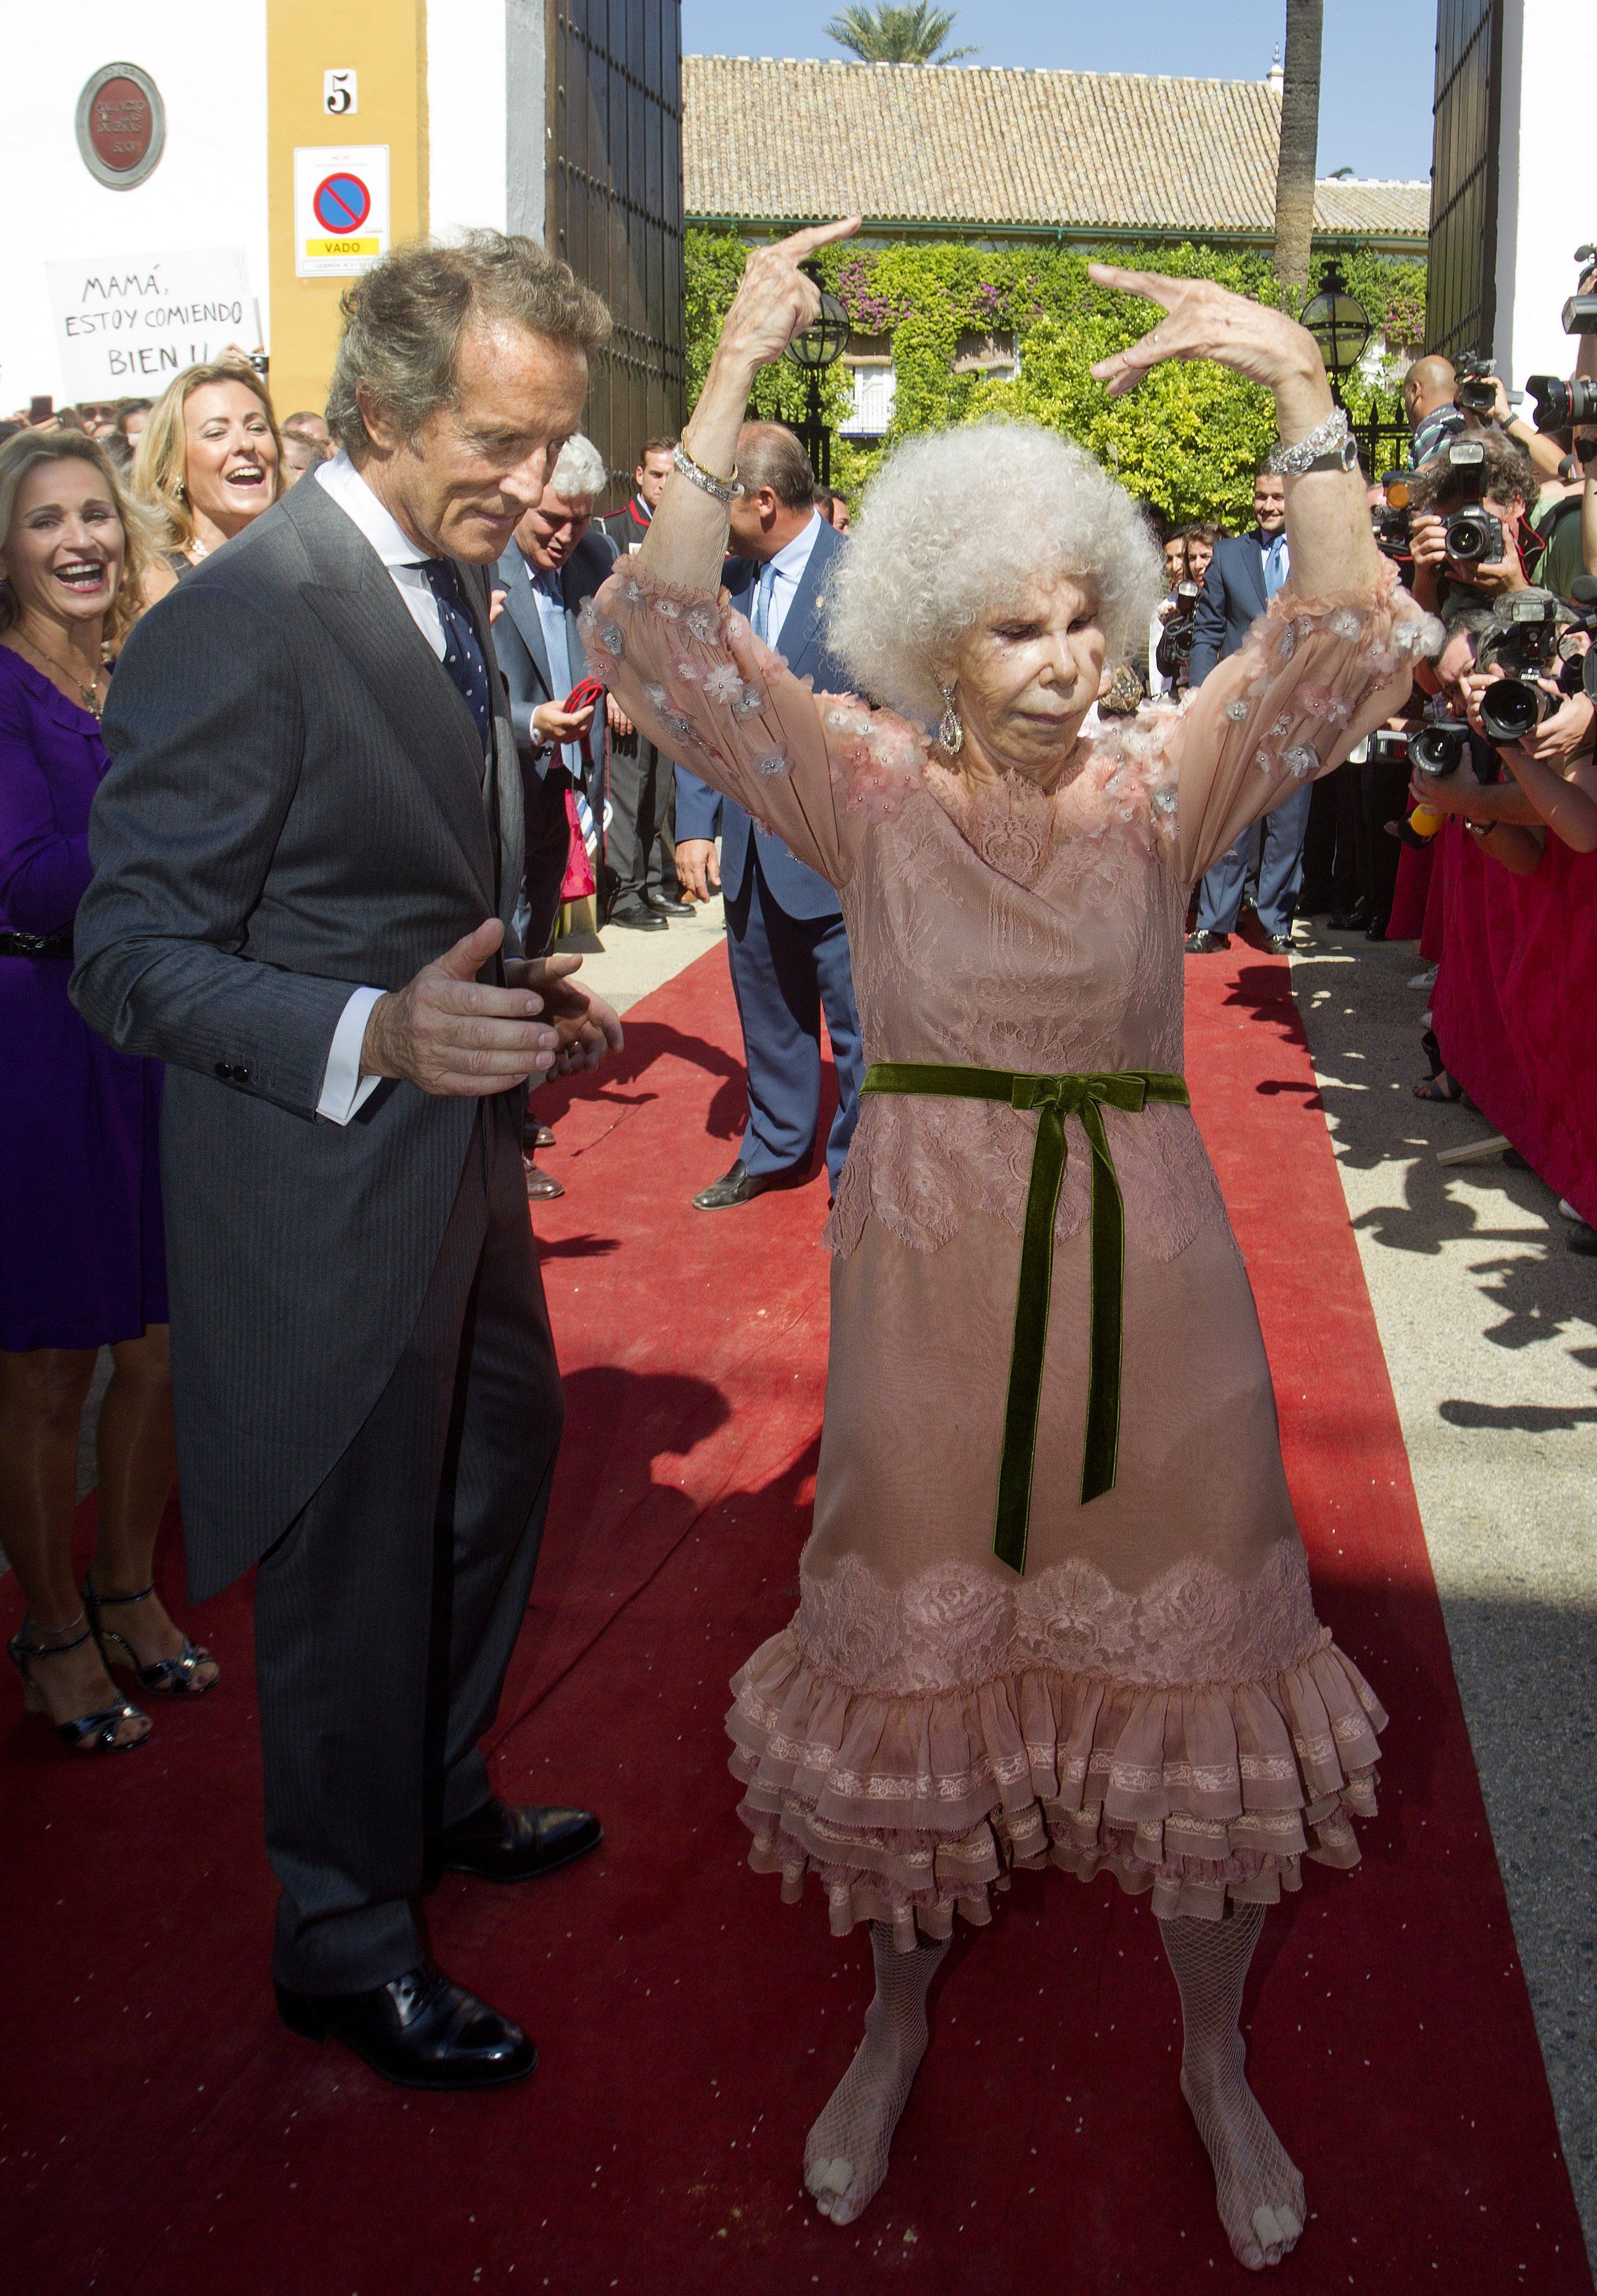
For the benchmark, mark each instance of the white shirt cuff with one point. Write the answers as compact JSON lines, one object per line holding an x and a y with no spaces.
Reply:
{"x":344,"y":1090}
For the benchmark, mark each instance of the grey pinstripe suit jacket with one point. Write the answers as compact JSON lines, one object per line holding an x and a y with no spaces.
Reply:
{"x":296,"y":804}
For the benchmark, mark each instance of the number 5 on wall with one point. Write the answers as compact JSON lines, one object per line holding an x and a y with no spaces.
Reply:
{"x":340,"y":92}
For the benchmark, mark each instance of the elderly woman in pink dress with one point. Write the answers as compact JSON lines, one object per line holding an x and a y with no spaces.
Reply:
{"x":1055,"y":1607}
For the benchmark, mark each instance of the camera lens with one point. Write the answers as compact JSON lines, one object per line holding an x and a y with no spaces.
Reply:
{"x":1512,"y":708}
{"x":1466,"y":538}
{"x":1438,"y":749}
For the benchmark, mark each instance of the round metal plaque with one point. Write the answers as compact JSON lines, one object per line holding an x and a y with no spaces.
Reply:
{"x":121,"y":126}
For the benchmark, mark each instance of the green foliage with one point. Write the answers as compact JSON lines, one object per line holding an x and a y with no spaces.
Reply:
{"x":1186,"y":443}
{"x":885,"y":35}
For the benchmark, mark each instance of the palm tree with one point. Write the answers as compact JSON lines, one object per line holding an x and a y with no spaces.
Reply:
{"x":898,"y":36}
{"x":1300,"y":137}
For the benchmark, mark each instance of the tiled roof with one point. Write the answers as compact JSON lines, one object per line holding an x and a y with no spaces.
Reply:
{"x":771,"y":140}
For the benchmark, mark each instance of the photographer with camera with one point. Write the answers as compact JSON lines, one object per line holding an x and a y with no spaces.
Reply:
{"x":1175,"y":618}
{"x":1454,"y":762}
{"x":1468,"y":534}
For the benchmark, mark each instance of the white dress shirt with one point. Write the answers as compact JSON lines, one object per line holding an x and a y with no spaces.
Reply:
{"x":344,"y":1090}
{"x":787,"y":571}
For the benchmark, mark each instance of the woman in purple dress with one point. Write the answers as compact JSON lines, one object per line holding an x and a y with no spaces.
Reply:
{"x":82,"y":1257}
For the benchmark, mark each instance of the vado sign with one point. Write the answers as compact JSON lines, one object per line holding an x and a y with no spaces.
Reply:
{"x":340,"y":207}
{"x":125,"y":324}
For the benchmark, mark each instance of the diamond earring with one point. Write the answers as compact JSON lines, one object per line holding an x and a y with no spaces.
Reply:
{"x":951,"y":732}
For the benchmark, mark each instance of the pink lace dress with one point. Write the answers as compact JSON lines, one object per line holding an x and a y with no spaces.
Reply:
{"x":1154,"y":1693}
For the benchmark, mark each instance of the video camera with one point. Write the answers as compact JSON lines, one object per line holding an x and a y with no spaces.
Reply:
{"x":1476,"y":391}
{"x":1473,"y":537}
{"x":1580,"y":312}
{"x":1440,"y":748}
{"x":1174,"y":649}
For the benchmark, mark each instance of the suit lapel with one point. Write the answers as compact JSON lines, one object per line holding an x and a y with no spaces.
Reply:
{"x":353,"y":595}
{"x":522,"y":607}
{"x":1255,"y":566}
{"x":804,"y":615}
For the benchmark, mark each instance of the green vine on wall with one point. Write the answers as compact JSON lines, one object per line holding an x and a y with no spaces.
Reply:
{"x":1186,"y":443}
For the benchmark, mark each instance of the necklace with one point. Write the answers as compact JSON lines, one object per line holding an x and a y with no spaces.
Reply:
{"x":198,"y":550}
{"x":90,"y":693}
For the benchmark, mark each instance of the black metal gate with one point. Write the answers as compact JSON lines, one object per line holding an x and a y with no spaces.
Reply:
{"x":1460,"y":295}
{"x":615,"y":206}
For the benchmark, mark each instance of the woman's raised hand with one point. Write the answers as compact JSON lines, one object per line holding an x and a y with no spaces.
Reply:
{"x":1205,"y":321}
{"x":775,"y":301}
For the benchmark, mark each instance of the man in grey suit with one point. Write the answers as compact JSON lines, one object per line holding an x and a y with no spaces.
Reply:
{"x":308,"y":850}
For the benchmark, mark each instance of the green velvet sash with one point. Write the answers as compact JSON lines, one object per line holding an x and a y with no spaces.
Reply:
{"x":1054,"y":1098}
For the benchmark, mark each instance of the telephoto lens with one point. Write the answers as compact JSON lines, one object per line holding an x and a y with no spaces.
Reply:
{"x":1512,"y":707}
{"x":1439,"y":750}
{"x":1559,"y":403}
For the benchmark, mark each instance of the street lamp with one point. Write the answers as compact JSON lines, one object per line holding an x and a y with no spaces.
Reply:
{"x":1338,"y":322}
{"x":820,"y":346}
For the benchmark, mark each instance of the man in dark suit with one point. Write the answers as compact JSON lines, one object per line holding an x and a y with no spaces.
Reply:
{"x":640,"y":868}
{"x":309,"y":851}
{"x":1243,"y":575}
{"x":785,"y":929}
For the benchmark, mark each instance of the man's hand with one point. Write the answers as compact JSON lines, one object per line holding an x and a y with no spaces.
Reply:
{"x":451,"y":1035}
{"x":1453,"y":792}
{"x":698,"y":872}
{"x":620,"y":724}
{"x":1564,"y":736}
{"x":586,"y":1028}
{"x":552,"y":724}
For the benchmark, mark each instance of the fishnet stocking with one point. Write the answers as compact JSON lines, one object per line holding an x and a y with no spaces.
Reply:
{"x":845,"y":2158}
{"x":1259,"y":2192}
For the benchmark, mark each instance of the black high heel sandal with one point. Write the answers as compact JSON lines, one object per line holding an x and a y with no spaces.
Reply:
{"x":91,"y":1733}
{"x":163,"y":1677}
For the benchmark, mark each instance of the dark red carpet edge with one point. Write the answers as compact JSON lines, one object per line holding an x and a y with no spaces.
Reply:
{"x":159,"y":2133}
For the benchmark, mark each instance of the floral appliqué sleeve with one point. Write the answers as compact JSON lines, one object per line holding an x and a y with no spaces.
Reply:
{"x":815,"y":768}
{"x":1311,"y":681}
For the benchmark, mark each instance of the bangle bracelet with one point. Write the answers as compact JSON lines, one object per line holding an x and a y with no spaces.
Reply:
{"x":723,"y":489}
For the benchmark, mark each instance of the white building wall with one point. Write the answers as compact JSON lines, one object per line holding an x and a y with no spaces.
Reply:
{"x":209,"y":189}
{"x":466,"y":132}
{"x":1547,"y":195}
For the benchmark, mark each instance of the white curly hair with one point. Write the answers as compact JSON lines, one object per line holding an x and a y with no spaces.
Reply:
{"x":956,"y":523}
{"x":579,"y":473}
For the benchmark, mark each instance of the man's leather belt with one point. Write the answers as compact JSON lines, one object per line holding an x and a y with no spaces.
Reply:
{"x":55,"y":944}
{"x":1054,"y":1098}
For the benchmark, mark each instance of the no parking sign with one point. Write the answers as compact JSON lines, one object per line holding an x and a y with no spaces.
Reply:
{"x":340,"y":207}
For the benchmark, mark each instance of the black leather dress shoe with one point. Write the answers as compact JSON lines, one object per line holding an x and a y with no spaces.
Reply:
{"x":741,"y":1186}
{"x":1206,"y":944}
{"x":666,"y":905}
{"x":419,"y":2030}
{"x":1279,"y":944}
{"x":636,"y":918}
{"x":1352,"y":920}
{"x":500,"y":1843}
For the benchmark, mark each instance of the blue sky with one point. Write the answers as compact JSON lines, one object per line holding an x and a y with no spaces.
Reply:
{"x":1379,"y":55}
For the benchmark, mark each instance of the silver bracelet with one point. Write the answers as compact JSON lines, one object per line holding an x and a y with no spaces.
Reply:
{"x":1327,"y":437}
{"x":723,"y":489}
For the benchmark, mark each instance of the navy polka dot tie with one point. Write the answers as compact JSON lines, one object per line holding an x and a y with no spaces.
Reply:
{"x":463,"y":656}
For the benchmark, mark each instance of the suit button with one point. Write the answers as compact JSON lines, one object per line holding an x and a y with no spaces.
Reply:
{"x":241,"y":1076}
{"x":223,"y":1071}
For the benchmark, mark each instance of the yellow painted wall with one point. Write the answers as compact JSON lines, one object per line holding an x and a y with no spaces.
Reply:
{"x":385,"y":41}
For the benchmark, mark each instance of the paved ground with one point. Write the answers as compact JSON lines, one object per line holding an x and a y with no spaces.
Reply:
{"x":1489,"y":1324}
{"x":625,"y":965}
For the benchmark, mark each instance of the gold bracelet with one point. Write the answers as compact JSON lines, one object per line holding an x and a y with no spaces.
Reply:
{"x":723,"y":489}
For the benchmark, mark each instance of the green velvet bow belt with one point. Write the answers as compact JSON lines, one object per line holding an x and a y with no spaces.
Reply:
{"x":1054,"y":1098}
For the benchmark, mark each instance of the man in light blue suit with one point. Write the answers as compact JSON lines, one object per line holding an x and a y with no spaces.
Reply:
{"x":1243,"y":575}
{"x":784,"y":930}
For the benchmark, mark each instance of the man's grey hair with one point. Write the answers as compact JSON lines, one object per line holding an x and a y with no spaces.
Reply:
{"x":580,"y":471}
{"x":956,"y":523}
{"x":770,"y":454}
{"x":404,"y":320}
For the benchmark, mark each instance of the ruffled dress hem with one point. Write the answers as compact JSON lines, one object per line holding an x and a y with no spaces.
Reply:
{"x":909,"y":1810}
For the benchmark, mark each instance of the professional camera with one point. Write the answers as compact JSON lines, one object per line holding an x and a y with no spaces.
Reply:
{"x":1441,"y":747}
{"x":1386,"y":746}
{"x":1174,"y":649}
{"x":1393,"y":532}
{"x":1472,"y":535}
{"x":1523,"y":646}
{"x":1580,"y":312}
{"x":1560,"y":405}
{"x":1476,"y":391}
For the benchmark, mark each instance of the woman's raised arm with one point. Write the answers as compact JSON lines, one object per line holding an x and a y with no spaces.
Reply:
{"x":1327,"y":518}
{"x":687,"y":540}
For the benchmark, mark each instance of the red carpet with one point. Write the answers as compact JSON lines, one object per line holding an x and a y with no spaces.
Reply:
{"x":159,"y":2135}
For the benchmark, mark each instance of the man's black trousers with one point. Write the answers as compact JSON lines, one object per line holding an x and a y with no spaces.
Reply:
{"x":639,"y":850}
{"x":386,"y":1615}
